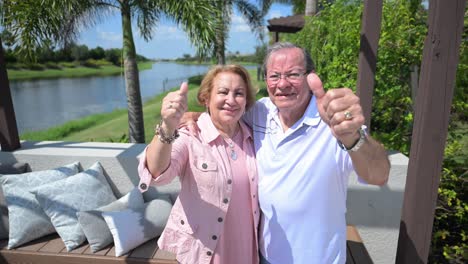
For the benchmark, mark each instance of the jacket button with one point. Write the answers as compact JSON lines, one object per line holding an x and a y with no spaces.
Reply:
{"x":229,"y":181}
{"x":143,"y":186}
{"x":220,"y":219}
{"x":214,"y":237}
{"x":204,"y":166}
{"x":225,"y":200}
{"x":209,"y":253}
{"x":182,"y":222}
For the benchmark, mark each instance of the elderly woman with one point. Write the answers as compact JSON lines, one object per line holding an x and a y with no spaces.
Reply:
{"x":215,"y":217}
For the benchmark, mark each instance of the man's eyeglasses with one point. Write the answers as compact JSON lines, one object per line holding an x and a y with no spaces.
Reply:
{"x":292,"y":77}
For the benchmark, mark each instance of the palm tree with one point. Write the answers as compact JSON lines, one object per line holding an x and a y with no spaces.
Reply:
{"x":32,"y":22}
{"x":311,"y":7}
{"x":250,"y":12}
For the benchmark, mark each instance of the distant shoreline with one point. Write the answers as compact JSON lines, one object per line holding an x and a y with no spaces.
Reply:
{"x":77,"y":72}
{"x":81,"y":71}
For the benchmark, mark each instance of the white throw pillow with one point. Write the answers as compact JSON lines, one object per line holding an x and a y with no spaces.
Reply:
{"x":133,"y":227}
{"x":95,"y":228}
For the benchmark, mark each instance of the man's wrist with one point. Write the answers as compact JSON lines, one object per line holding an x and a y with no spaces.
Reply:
{"x":358,"y":143}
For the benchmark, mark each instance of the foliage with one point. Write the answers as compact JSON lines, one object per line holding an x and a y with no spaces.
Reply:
{"x":260,"y":53}
{"x":332,"y":38}
{"x":50,"y":55}
{"x":195,"y":80}
{"x":334,"y":47}
{"x":450,"y":233}
{"x":251,"y":13}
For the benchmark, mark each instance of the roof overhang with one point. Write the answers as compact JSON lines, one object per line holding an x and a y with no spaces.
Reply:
{"x":289,"y":24}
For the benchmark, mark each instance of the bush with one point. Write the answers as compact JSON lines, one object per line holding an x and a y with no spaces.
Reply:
{"x":35,"y":66}
{"x":68,"y":64}
{"x":90,"y":63}
{"x":52,"y":65}
{"x":195,"y":80}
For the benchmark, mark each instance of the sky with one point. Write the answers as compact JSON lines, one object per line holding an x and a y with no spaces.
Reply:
{"x":170,"y":42}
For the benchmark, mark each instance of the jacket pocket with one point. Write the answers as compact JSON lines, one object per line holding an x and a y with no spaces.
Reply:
{"x":205,"y":174}
{"x":204,"y":165}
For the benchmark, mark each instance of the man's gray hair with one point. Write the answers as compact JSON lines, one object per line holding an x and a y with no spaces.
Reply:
{"x":309,"y":63}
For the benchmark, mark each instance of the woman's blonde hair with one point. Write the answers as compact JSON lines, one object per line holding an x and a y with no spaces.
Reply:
{"x":207,"y":83}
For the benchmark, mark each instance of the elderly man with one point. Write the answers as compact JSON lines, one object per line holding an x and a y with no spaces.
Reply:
{"x":307,"y":143}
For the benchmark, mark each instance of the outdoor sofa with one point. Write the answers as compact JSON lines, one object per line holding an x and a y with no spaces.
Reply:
{"x":120,"y":169}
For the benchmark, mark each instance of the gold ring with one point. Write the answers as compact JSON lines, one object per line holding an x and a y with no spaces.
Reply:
{"x":348,"y":115}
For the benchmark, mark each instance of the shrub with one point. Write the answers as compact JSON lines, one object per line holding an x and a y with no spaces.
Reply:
{"x":66,"y":64}
{"x":52,"y":65}
{"x":35,"y":66}
{"x":195,"y":80}
{"x":90,"y":63}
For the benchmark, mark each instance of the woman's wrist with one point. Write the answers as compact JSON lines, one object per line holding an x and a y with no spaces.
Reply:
{"x":165,"y":134}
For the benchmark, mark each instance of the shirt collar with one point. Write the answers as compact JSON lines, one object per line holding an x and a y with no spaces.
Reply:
{"x":209,"y":132}
{"x":311,"y":115}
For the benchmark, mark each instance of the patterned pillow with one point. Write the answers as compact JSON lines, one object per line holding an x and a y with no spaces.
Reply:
{"x":133,"y":227}
{"x":15,"y":168}
{"x":27,"y":221}
{"x":95,"y":228}
{"x":61,"y":200}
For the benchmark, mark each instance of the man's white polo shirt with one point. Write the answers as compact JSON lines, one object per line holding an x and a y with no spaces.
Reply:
{"x":303,"y":177}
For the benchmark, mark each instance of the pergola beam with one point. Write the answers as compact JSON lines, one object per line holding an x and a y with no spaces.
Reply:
{"x":9,"y":138}
{"x":370,"y":34}
{"x":433,"y":103}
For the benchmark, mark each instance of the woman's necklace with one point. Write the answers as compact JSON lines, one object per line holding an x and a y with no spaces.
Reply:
{"x":230,"y":143}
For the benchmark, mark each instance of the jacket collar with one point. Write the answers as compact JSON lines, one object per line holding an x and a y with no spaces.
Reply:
{"x":209,"y":132}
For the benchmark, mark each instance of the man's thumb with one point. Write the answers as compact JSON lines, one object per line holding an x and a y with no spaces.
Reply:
{"x":184,"y":88}
{"x":315,"y":85}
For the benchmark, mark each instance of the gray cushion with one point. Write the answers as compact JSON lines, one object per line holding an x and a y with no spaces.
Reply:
{"x":27,"y":221}
{"x":133,"y":227}
{"x":15,"y":168}
{"x":95,"y":228}
{"x":61,"y":200}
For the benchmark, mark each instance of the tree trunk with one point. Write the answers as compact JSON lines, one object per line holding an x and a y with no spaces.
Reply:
{"x":311,"y":7}
{"x":136,"y":128}
{"x":219,"y":44}
{"x":219,"y":49}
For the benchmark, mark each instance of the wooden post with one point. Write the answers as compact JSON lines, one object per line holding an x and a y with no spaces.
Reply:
{"x":9,"y":139}
{"x":434,"y":99}
{"x":370,"y":33}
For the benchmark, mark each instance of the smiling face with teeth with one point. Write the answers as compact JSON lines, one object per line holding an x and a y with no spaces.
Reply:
{"x":227,"y":101}
{"x":290,"y":96}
